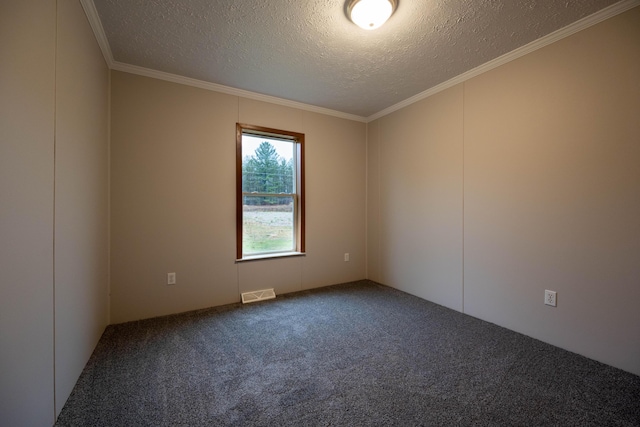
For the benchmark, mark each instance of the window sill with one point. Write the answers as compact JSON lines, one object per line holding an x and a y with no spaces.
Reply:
{"x":271,"y":256}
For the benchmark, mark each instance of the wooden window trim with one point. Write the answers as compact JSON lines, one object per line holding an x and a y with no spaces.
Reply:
{"x":300,"y":188}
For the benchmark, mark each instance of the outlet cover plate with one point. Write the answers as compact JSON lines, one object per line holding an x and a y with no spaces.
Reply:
{"x":550,"y":298}
{"x":171,"y":278}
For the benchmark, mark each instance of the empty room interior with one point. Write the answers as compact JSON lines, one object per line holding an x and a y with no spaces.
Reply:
{"x":467,"y":156}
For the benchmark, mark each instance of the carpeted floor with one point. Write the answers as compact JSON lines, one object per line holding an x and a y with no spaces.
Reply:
{"x":357,"y":354}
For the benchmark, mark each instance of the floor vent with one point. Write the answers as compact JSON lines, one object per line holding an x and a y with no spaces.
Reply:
{"x":260,"y":295}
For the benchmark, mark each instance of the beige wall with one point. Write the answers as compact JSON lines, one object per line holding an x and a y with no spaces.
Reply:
{"x":173,"y":199}
{"x":81,"y":196}
{"x":417,"y":156}
{"x":551,"y":195}
{"x":27,"y":61}
{"x":53,"y":155}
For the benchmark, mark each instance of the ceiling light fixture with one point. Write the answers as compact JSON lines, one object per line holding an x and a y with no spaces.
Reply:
{"x":370,"y":14}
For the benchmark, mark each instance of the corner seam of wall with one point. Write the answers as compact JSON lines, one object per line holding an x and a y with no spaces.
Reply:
{"x":53,"y":249}
{"x":463,"y":194}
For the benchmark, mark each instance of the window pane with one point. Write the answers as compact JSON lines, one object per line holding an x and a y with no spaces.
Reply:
{"x":267,"y":224}
{"x":270,"y":198}
{"x":268,"y":165}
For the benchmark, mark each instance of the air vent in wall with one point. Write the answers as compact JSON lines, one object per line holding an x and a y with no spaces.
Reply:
{"x":260,"y":295}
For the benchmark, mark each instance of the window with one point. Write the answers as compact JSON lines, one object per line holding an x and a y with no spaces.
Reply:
{"x":269,"y":192}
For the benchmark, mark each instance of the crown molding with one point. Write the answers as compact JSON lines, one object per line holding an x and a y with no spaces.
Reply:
{"x":98,"y":30}
{"x":606,"y":13}
{"x":96,"y":25}
{"x":161,"y":75}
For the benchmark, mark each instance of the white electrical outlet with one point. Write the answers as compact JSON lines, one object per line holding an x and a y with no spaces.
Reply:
{"x":171,"y":278}
{"x":550,"y":298}
{"x":346,"y":257}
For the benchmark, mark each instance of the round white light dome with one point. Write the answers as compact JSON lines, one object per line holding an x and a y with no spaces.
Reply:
{"x":370,"y":14}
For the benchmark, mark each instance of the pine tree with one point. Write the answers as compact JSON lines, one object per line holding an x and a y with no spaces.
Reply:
{"x":267,"y":172}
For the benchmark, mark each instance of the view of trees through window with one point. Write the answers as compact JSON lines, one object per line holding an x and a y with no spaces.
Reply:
{"x":268,"y":194}
{"x":266,"y":171}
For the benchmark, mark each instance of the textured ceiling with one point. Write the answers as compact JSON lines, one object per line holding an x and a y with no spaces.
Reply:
{"x":308,"y":51}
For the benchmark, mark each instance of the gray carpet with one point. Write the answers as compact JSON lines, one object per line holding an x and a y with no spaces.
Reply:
{"x":357,"y":354}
